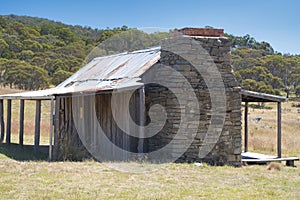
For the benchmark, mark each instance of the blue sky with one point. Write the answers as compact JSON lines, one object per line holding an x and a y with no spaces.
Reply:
{"x":274,"y":21}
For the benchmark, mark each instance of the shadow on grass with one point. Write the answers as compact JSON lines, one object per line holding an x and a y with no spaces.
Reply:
{"x":25,"y":152}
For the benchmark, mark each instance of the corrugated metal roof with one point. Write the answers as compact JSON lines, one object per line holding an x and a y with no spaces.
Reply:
{"x":102,"y":73}
{"x":119,"y":66}
{"x":32,"y":95}
{"x":251,"y":96}
{"x":111,"y":72}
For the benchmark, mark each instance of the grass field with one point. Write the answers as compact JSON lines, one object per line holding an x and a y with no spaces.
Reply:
{"x":93,"y":180}
{"x":25,"y":174}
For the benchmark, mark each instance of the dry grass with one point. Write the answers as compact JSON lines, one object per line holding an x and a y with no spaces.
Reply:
{"x":29,"y":121}
{"x":9,"y":90}
{"x":92,"y":180}
{"x":263,"y":134}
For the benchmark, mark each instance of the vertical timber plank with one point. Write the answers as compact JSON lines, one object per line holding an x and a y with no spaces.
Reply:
{"x":112,"y":125}
{"x":56,"y":129}
{"x":246,"y":126}
{"x":95,"y":122}
{"x":109,"y":118}
{"x":69,"y":128}
{"x":37,"y":124}
{"x":51,"y":129}
{"x":66,"y":132}
{"x":8,"y":121}
{"x":141,"y":104}
{"x":279,"y":129}
{"x":21,"y":129}
{"x":2,"y":120}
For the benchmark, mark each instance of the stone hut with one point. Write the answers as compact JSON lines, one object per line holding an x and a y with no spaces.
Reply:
{"x":177,"y":102}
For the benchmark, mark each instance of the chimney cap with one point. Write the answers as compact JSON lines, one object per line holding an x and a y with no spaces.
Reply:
{"x":208,"y":32}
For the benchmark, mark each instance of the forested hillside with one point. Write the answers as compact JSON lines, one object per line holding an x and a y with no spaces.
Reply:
{"x":36,"y":53}
{"x":257,"y":67}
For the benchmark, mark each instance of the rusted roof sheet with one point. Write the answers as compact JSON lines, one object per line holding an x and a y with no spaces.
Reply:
{"x":117,"y":71}
{"x":115,"y":67}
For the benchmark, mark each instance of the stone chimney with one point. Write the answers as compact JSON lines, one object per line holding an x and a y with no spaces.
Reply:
{"x":206,"y":32}
{"x":204,"y":58}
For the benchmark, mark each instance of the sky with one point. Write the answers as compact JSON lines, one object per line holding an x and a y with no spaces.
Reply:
{"x":274,"y":21}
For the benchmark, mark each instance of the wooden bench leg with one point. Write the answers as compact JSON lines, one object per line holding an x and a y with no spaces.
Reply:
{"x":290,"y":163}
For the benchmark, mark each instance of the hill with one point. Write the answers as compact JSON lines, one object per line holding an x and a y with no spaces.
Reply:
{"x":36,"y":53}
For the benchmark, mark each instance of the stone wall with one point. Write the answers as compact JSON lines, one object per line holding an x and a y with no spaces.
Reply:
{"x":205,"y":64}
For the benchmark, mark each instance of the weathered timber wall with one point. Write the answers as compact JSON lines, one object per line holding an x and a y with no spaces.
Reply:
{"x":80,"y":121}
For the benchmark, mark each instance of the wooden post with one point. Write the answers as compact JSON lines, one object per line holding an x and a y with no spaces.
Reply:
{"x":140,"y":147}
{"x":8,"y":121}
{"x":246,"y":127}
{"x":51,"y":128}
{"x":279,"y":129}
{"x":1,"y":120}
{"x":37,"y":124}
{"x":21,"y":129}
{"x":56,"y":128}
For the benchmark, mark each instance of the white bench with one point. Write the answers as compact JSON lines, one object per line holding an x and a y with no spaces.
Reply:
{"x":290,"y":161}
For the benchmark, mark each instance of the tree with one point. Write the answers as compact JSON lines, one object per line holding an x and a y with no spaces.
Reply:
{"x":249,"y":42}
{"x":260,"y":73}
{"x":32,"y":45}
{"x":26,"y":55}
{"x":3,"y":46}
{"x":3,"y":22}
{"x":258,"y":86}
{"x":249,"y":84}
{"x":53,"y":65}
{"x":22,"y":75}
{"x":28,"y":77}
{"x":297,"y":91}
{"x":59,"y":76}
{"x":66,"y":35}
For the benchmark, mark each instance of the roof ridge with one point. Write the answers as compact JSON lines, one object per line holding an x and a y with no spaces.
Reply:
{"x":154,"y":49}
